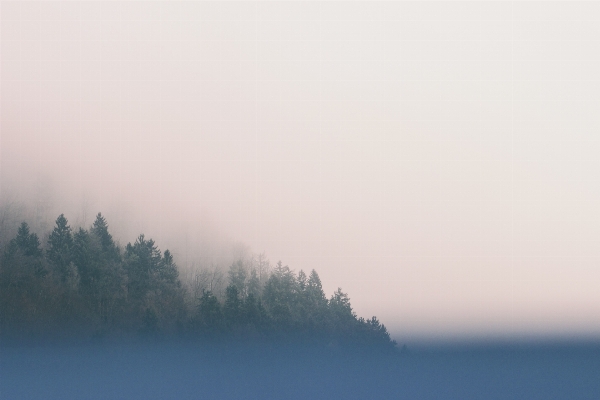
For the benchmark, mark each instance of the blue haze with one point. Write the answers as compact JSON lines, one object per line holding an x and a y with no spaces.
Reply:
{"x":560,"y":370}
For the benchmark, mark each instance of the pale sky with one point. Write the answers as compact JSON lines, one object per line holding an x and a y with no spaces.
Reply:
{"x":438,"y":161}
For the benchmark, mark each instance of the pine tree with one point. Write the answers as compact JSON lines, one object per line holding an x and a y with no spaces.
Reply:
{"x":210,"y":316}
{"x":23,"y":285}
{"x":82,"y":256}
{"x":60,"y":246}
{"x":254,"y":284}
{"x":253,"y":312}
{"x":237,"y":277}
{"x":143,"y":259}
{"x":280,"y":295}
{"x":100,"y":230}
{"x":28,"y":243}
{"x":314,"y":290}
{"x":232,"y":309}
{"x":167,"y":272}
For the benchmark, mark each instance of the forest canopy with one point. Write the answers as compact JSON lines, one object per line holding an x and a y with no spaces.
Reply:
{"x":81,"y":283}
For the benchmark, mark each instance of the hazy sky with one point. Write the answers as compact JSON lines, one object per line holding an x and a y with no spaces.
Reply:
{"x":438,"y":161}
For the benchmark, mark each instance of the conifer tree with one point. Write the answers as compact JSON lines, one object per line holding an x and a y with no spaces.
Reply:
{"x":83,"y":256}
{"x":254,"y":284}
{"x":100,"y":230}
{"x":253,"y":312}
{"x":167,"y":272}
{"x":280,"y":295}
{"x":237,"y":277}
{"x":23,"y":288}
{"x":28,"y":243}
{"x":60,"y":246}
{"x":210,"y":316}
{"x":232,"y":309}
{"x":142,"y":261}
{"x":314,"y":290}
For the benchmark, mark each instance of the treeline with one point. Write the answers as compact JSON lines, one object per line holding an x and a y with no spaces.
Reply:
{"x":82,"y":284}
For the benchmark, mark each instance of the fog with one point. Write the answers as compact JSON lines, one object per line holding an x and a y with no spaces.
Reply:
{"x":438,"y":161}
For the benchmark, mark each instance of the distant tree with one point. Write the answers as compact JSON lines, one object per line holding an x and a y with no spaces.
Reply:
{"x":206,"y":279}
{"x":60,"y":247}
{"x":302,"y":281}
{"x":102,"y":278}
{"x":238,"y":276}
{"x":210,"y":317}
{"x":340,"y":306}
{"x":255,"y":315}
{"x":167,"y":273}
{"x":280,"y":295}
{"x":253,"y":286}
{"x":26,"y":298}
{"x":27,"y":242}
{"x":232,"y":309}
{"x":302,"y":305}
{"x":314,"y":290}
{"x":84,"y":257}
{"x":100,"y":229}
{"x":142,"y":261}
{"x":153,"y":282}
{"x":263,"y":268}
{"x":24,"y":248}
{"x":342,"y":320}
{"x":24,"y":244}
{"x":377,"y":332}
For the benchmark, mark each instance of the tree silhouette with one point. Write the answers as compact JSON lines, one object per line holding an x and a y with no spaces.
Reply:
{"x":60,"y":246}
{"x":84,"y":281}
{"x":210,"y":317}
{"x":28,"y":243}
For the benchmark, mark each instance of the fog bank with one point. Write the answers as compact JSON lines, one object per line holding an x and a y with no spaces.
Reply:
{"x":439,"y":161}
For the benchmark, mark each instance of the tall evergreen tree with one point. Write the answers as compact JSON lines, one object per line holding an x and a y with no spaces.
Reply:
{"x":301,"y":281}
{"x":167,"y":272}
{"x":254,"y":313}
{"x":83,"y":256}
{"x":210,"y":316}
{"x":315,"y":303}
{"x":26,"y":242}
{"x":238,"y":276}
{"x":280,"y":295}
{"x":153,"y":281}
{"x":232,"y":309}
{"x":24,"y":291}
{"x":254,"y":284}
{"x":100,"y":230}
{"x":314,"y":290}
{"x":143,"y":259}
{"x":60,"y":247}
{"x":342,"y":320}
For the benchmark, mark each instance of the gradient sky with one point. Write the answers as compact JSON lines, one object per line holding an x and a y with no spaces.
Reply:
{"x":438,"y":161}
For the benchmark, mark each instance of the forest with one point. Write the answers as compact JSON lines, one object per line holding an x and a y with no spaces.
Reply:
{"x":82,"y":284}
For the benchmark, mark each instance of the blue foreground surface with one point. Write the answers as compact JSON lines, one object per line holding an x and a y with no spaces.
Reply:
{"x":192,"y":371}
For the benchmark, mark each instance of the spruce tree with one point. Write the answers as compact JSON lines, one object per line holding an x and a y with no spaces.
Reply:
{"x":143,"y":260}
{"x":28,"y":243}
{"x":314,"y":290}
{"x":232,"y":309}
{"x":100,"y":231}
{"x":254,"y":284}
{"x":210,"y":317}
{"x":237,"y":277}
{"x":60,"y":246}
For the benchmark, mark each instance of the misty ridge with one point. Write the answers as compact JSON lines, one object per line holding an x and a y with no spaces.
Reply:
{"x":81,"y":284}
